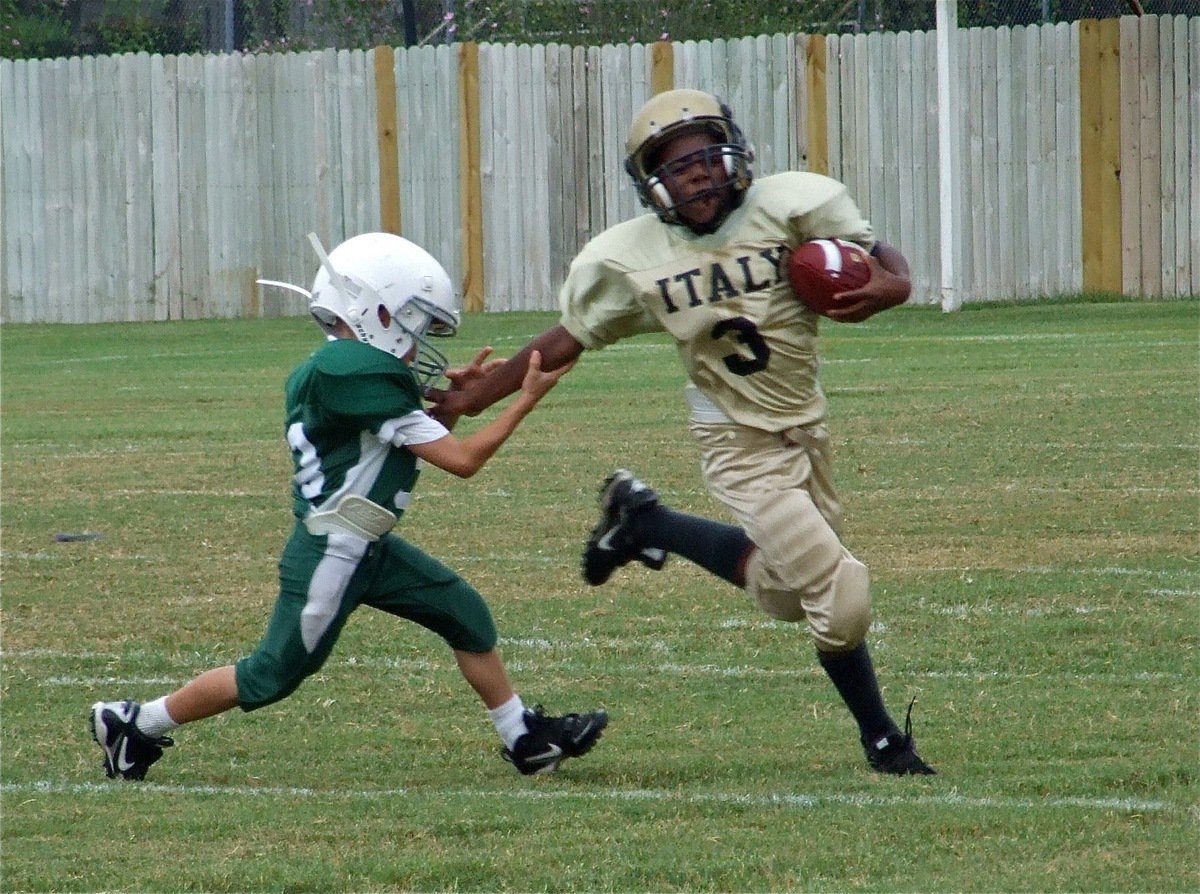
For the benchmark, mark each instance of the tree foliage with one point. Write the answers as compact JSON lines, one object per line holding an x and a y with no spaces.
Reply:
{"x":46,"y":28}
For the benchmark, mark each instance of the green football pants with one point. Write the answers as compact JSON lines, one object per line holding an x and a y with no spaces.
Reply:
{"x":322,"y":579}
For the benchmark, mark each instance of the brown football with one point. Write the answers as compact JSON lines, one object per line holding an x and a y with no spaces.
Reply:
{"x":818,"y":270}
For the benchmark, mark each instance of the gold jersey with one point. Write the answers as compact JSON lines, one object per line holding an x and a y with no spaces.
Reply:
{"x":745,"y":339}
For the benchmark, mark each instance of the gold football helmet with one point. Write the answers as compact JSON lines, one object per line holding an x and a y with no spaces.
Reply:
{"x":672,"y":114}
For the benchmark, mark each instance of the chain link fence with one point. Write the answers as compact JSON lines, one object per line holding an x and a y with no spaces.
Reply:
{"x":49,"y":28}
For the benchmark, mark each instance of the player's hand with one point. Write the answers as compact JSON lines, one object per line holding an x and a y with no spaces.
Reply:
{"x":536,"y":382}
{"x":885,"y":290}
{"x":446,"y":406}
{"x":462,"y":377}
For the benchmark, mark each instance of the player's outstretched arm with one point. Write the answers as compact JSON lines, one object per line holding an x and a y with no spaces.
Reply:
{"x":466,"y":456}
{"x":557,"y":348}
{"x":889,"y":286}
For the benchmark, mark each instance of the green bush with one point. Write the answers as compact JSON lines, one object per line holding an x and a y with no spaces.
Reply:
{"x":125,"y":27}
{"x":37,"y":30}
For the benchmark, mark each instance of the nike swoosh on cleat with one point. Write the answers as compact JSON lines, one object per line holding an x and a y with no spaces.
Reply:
{"x":122,"y":763}
{"x":583,"y":734}
{"x":552,"y":752}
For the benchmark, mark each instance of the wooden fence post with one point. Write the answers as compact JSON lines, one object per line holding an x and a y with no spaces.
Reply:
{"x":662,"y":67}
{"x":470,"y":180}
{"x":1100,"y":153}
{"x":389,"y":152}
{"x":818,"y":115}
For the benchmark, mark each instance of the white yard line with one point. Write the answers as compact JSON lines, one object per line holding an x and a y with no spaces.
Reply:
{"x":799,"y":801}
{"x":517,"y":664}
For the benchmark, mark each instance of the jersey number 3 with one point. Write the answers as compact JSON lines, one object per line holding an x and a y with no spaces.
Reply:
{"x":746,"y":333}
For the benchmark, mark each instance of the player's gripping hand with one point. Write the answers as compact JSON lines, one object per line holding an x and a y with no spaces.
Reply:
{"x":448,"y":404}
{"x":889,"y":286}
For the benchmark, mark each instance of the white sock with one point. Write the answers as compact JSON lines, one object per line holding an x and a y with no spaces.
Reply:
{"x":510,"y":720}
{"x":154,"y":720}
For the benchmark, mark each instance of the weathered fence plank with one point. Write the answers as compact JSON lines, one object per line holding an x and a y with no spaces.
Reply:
{"x":185,"y":178}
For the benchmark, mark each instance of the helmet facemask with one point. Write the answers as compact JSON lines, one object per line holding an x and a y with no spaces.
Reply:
{"x":419,"y":318}
{"x":718,"y":160}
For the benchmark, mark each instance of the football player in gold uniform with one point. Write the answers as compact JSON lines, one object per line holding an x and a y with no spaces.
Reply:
{"x":708,"y":267}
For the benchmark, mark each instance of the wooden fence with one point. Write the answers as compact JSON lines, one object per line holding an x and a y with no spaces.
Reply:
{"x":147,"y":188}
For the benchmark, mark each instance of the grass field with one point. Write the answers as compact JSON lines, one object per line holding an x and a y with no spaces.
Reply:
{"x":1021,"y":479}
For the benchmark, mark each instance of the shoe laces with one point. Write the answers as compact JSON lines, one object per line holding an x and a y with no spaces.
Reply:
{"x":160,"y":741}
{"x":908,"y":722}
{"x":140,"y":735}
{"x":538,"y":714}
{"x":918,"y":765}
{"x":540,"y":718}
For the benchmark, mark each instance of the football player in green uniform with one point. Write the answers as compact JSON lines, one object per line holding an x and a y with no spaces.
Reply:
{"x":358,"y":435}
{"x":708,"y":267}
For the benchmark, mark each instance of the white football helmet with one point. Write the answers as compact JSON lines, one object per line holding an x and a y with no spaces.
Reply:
{"x":671,"y":114}
{"x":382,"y":270}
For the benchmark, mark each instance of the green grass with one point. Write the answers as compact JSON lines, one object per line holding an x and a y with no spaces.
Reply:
{"x":1021,"y":479}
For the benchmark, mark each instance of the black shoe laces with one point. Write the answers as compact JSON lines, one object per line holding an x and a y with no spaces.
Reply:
{"x":908,"y":722}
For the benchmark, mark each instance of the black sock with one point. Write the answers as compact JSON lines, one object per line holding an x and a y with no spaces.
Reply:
{"x":853,"y":675}
{"x":714,"y":546}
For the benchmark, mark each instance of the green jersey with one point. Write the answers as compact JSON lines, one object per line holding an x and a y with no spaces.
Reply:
{"x":351,"y":409}
{"x":747,"y":342}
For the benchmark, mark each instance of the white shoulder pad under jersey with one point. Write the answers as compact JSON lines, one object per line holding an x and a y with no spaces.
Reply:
{"x":745,"y":339}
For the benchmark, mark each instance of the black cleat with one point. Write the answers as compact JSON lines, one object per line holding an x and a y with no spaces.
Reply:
{"x":612,"y":543}
{"x":551,"y":740}
{"x":128,"y":752}
{"x":896,"y":753}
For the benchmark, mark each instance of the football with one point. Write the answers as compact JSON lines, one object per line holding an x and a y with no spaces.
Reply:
{"x":820,"y":269}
